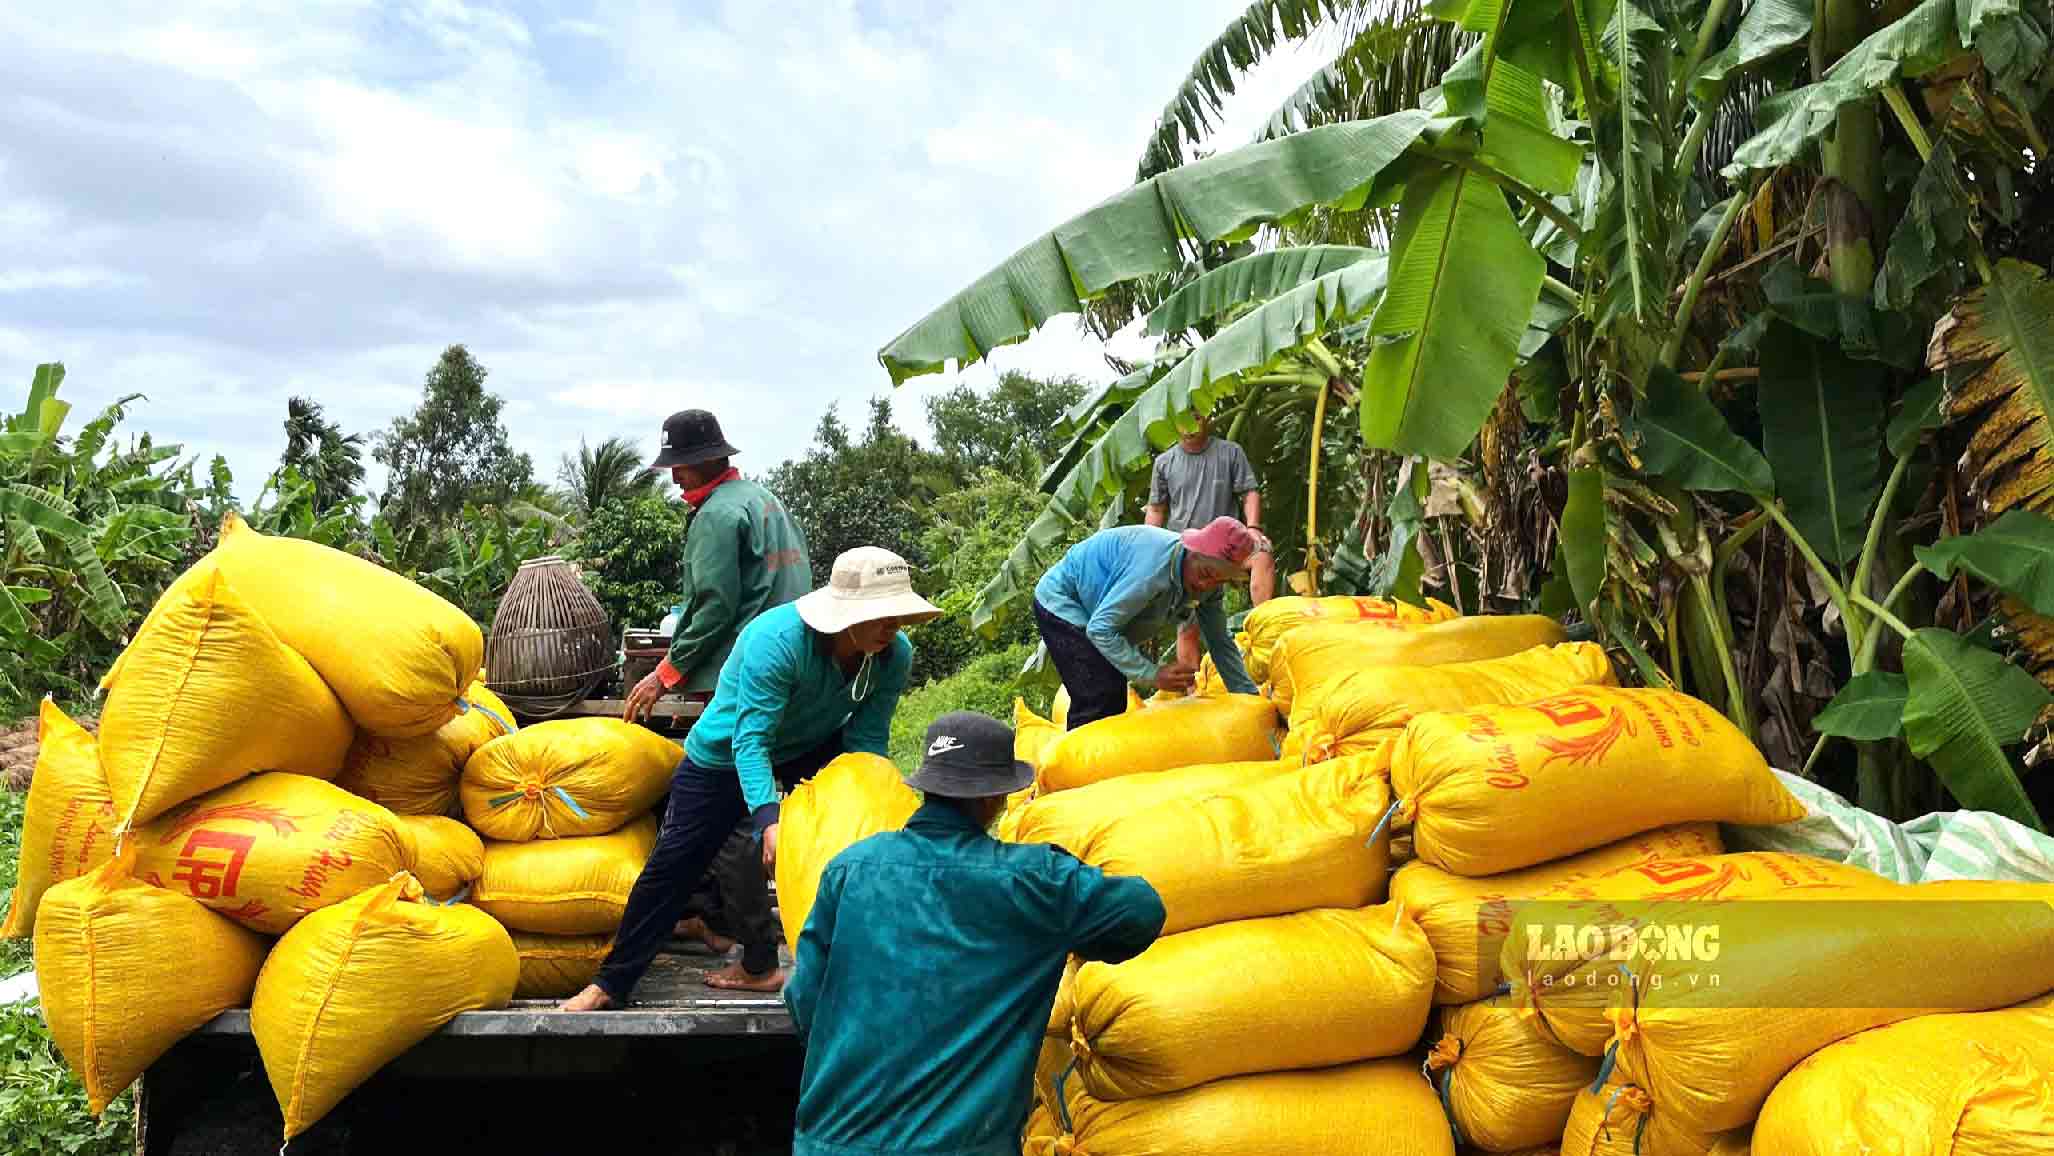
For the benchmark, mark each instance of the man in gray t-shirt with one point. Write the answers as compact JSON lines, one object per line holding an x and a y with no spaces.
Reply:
{"x":1198,"y":479}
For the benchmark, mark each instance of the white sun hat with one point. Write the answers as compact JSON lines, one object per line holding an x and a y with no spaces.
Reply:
{"x":868,"y":583}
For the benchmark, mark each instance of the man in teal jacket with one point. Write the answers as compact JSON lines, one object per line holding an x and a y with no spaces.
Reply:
{"x":1115,"y":591}
{"x":930,"y":961}
{"x":808,"y":681}
{"x":743,"y":555}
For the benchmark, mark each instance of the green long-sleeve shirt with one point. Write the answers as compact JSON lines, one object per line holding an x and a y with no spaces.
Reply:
{"x":743,"y":555}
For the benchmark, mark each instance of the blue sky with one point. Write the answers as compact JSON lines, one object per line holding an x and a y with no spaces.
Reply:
{"x":623,"y":209}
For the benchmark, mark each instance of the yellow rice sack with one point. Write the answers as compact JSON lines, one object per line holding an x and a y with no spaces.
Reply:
{"x":566,"y":778}
{"x":1504,"y":787}
{"x":208,"y":694}
{"x":1467,"y":919}
{"x":1279,"y":616}
{"x":565,"y":886}
{"x":1711,"y":1054}
{"x":1309,"y":990}
{"x":443,"y":854}
{"x":1288,"y":843}
{"x":1059,"y":709}
{"x":1974,"y":1084}
{"x":352,"y":987}
{"x":1384,"y":1106}
{"x":67,"y":826}
{"x":1184,"y":733}
{"x":419,"y":776}
{"x":127,"y":970}
{"x":1621,"y":1120}
{"x":1313,"y":655}
{"x":397,"y":654}
{"x":270,"y":849}
{"x":1573,"y":992}
{"x":851,"y":799}
{"x":557,"y":966}
{"x":1507,"y":1085}
{"x":1331,"y":715}
{"x":1072,"y":819}
{"x":1031,"y":734}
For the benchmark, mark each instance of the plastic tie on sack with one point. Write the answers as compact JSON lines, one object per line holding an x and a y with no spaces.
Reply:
{"x":1063,"y":1098}
{"x":1605,"y":1068}
{"x":570,"y":802}
{"x":1384,"y":823}
{"x":465,"y":706}
{"x":1635,"y":1101}
{"x":1440,"y":1086}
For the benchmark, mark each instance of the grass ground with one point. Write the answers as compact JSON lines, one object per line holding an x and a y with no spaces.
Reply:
{"x":42,"y":1106}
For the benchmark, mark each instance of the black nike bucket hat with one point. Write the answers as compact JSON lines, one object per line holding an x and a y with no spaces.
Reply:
{"x":690,"y":437}
{"x":970,"y":756}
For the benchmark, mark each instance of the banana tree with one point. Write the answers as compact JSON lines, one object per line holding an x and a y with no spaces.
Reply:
{"x":1617,"y":209}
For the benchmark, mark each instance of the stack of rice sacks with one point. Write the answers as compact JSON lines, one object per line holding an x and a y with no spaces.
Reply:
{"x":277,"y":813}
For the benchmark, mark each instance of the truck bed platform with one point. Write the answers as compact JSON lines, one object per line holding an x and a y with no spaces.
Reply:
{"x":672,"y":1000}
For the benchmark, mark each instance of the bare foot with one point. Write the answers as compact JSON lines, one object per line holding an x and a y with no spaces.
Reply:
{"x":734,"y":977}
{"x":593,"y":998}
{"x":696,"y":928}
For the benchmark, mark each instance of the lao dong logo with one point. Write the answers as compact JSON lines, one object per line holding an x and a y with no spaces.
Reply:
{"x":1623,"y":942}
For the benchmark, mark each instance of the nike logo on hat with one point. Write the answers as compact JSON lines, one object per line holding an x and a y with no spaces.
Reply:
{"x":943,"y":745}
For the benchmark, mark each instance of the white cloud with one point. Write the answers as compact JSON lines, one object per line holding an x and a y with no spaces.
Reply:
{"x":62,"y":277}
{"x":622,"y":211}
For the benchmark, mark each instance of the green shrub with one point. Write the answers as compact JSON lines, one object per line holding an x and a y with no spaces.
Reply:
{"x":985,"y":685}
{"x":633,"y":554}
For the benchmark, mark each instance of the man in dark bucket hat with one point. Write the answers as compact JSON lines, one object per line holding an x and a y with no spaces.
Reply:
{"x":743,"y":555}
{"x":930,"y":961}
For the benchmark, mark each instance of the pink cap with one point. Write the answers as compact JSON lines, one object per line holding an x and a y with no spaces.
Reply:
{"x":1226,"y":538}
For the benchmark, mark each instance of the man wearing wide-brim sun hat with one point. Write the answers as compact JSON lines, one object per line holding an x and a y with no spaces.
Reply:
{"x":807,"y":681}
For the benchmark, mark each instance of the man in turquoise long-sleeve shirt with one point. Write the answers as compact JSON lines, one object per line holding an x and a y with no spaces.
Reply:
{"x":1115,"y":591}
{"x":931,"y":958}
{"x":807,"y":681}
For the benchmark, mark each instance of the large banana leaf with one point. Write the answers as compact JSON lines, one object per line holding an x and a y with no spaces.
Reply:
{"x":1582,"y":537}
{"x":2015,"y":554}
{"x":1463,"y":282}
{"x":1997,"y":348}
{"x":1822,"y":429}
{"x":1869,"y":708}
{"x":1932,"y":240}
{"x":1683,"y":439}
{"x":1388,"y":68}
{"x":1524,"y":134}
{"x":41,"y":510}
{"x":1214,"y":370}
{"x":1767,"y":29}
{"x":1636,"y":212}
{"x":1966,"y":705}
{"x":1924,"y":39}
{"x":42,"y":388}
{"x":1247,"y":40}
{"x":1138,"y":232}
{"x":1258,"y":277}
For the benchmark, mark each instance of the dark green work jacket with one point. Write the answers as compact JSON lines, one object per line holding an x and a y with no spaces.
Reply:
{"x":743,"y":555}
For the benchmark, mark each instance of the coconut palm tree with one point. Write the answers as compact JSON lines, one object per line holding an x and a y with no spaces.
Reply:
{"x":596,"y":475}
{"x":324,"y":456}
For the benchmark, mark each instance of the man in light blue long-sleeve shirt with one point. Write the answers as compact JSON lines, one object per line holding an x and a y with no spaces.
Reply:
{"x":807,"y":681}
{"x":1118,"y":589}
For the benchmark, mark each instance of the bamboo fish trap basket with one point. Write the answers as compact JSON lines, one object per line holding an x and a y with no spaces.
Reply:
{"x":550,"y":643}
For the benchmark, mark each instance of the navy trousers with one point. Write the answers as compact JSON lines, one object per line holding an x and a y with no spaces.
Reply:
{"x":1097,"y":688}
{"x":705,"y":808}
